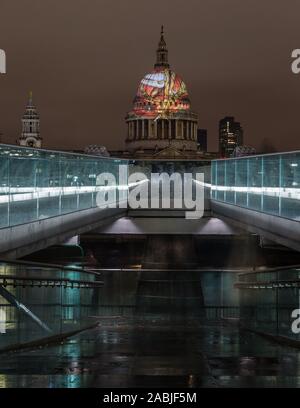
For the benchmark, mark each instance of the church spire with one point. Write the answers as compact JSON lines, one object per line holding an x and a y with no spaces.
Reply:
{"x":162,"y":52}
{"x":30,"y":99}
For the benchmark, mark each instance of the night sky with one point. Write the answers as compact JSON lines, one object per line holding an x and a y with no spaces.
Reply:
{"x":83,"y":61}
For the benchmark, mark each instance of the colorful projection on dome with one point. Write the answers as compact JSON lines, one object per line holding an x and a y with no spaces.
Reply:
{"x":161,"y":92}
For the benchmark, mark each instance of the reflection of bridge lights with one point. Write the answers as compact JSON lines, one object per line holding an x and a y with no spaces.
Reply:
{"x":2,"y":321}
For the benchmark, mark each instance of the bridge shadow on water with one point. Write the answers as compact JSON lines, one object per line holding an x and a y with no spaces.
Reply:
{"x":169,"y":290}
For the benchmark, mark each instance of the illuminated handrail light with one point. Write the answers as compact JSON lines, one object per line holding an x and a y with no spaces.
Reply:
{"x":14,"y":194}
{"x":270,"y":191}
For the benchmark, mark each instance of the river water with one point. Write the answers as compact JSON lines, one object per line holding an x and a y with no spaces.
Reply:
{"x":157,"y":326}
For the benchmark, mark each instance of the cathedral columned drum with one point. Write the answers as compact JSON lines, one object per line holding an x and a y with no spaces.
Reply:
{"x":161,"y":120}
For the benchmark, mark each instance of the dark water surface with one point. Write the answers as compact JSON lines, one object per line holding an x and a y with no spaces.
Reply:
{"x":125,"y":352}
{"x":173,"y":327}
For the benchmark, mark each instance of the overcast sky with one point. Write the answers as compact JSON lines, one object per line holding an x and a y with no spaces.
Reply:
{"x":83,"y":61}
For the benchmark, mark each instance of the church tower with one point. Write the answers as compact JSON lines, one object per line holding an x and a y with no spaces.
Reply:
{"x":30,"y":126}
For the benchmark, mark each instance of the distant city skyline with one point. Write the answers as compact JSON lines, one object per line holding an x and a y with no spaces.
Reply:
{"x":83,"y":64}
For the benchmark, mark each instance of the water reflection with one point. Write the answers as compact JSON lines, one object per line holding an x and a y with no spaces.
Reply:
{"x":157,"y":328}
{"x":59,"y":306}
{"x":160,"y":294}
{"x":267,"y":299}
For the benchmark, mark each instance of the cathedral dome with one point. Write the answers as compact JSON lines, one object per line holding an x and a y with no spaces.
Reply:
{"x":161,"y":117}
{"x":161,"y":91}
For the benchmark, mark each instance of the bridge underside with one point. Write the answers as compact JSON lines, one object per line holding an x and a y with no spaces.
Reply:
{"x":225,"y":220}
{"x":20,"y":240}
{"x":149,"y":223}
{"x":281,"y":230}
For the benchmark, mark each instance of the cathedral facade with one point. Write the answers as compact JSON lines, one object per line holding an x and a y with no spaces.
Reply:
{"x":161,"y":123}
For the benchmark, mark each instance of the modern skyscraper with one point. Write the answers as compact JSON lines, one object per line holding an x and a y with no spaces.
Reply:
{"x":30,"y":126}
{"x":230,"y":136}
{"x":161,"y":122}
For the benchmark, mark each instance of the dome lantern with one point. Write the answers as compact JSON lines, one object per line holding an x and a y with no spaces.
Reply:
{"x":162,"y":52}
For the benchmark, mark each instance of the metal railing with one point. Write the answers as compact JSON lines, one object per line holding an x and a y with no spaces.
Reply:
{"x":267,"y":183}
{"x":36,"y":184}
